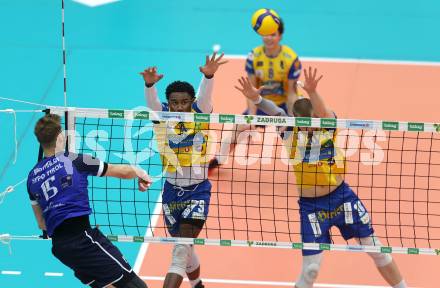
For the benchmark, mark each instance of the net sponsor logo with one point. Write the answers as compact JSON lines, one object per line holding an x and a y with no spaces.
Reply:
{"x":297,"y":245}
{"x":225,"y":118}
{"x":261,"y":244}
{"x":437,"y":127}
{"x":199,"y":241}
{"x":386,"y":249}
{"x":112,"y":238}
{"x":225,"y":242}
{"x":138,"y":239}
{"x":303,"y":121}
{"x":142,"y":115}
{"x":437,"y":251}
{"x":270,"y":120}
{"x":412,"y":126}
{"x":386,"y":125}
{"x":328,"y":123}
{"x":413,"y":251}
{"x":324,"y":246}
{"x":248,"y":119}
{"x":116,"y":113}
{"x":356,"y":124}
{"x":201,"y":117}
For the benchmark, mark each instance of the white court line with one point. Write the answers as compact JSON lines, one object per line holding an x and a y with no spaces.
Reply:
{"x":352,"y":60}
{"x":144,"y":247}
{"x":53,"y":274}
{"x":11,"y":272}
{"x":266,"y":283}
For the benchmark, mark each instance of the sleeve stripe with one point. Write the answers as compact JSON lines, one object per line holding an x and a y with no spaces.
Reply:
{"x":33,"y":202}
{"x":101,"y":169}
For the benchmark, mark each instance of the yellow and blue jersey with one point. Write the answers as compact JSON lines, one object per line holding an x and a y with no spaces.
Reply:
{"x":182,"y":144}
{"x":316,"y":161}
{"x":274,"y":72}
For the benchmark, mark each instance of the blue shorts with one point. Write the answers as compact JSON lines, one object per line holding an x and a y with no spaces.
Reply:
{"x":261,"y":113}
{"x":341,"y":208}
{"x":95,"y":261}
{"x":185,"y":203}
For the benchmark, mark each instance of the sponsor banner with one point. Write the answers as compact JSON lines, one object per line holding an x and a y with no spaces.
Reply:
{"x":116,"y":113}
{"x":386,"y":249}
{"x":142,"y":115}
{"x":138,"y":239}
{"x":386,"y":125}
{"x":205,"y":118}
{"x":199,"y":241}
{"x":413,"y":126}
{"x":303,"y":121}
{"x":328,"y":123}
{"x":112,"y":237}
{"x":359,"y":124}
{"x":225,"y":243}
{"x":225,"y":118}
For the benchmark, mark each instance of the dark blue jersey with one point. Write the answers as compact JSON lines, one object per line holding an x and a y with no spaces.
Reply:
{"x":58,"y":184}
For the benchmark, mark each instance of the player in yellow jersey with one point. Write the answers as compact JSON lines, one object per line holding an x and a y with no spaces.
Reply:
{"x":274,"y":67}
{"x":187,"y":190}
{"x":325,"y":199}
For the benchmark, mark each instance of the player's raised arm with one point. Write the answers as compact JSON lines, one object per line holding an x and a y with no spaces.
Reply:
{"x":253,"y":95}
{"x":150,"y":78}
{"x":204,"y":93}
{"x":311,"y":82}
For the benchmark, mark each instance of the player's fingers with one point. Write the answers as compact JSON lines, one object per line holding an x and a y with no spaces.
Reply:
{"x":315,"y":71}
{"x":239,"y":89}
{"x":320,"y":77}
{"x":213,"y":56}
{"x":240,"y":80}
{"x":160,"y":76}
{"x":306,"y":75}
{"x":223,"y":62}
{"x":220,"y":57}
{"x":207,"y":59}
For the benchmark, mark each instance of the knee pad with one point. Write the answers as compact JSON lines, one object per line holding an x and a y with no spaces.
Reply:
{"x":180,"y":259}
{"x":136,"y":282}
{"x":310,"y":270}
{"x":380,"y":259}
{"x":193,"y":262}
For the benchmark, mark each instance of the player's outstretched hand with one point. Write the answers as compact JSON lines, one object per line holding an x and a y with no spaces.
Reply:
{"x":212,"y":64}
{"x":311,"y":80}
{"x":150,"y":75}
{"x":248,"y":90}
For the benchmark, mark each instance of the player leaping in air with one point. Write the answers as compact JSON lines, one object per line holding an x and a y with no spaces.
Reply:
{"x":183,"y":149}
{"x":320,"y":183}
{"x":57,"y":188}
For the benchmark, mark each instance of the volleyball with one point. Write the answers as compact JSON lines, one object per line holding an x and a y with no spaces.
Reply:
{"x":265,"y":21}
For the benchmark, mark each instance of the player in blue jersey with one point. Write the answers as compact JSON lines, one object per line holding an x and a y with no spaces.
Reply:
{"x":57,"y":188}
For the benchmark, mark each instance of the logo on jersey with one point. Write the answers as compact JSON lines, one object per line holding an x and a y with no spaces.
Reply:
{"x":259,"y":63}
{"x":282,"y":64}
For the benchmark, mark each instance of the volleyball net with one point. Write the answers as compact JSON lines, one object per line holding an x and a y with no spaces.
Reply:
{"x":393,"y":167}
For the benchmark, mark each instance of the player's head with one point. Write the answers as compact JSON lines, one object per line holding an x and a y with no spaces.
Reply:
{"x":180,"y":96}
{"x":273,"y":40}
{"x":48,"y":131}
{"x":303,"y":108}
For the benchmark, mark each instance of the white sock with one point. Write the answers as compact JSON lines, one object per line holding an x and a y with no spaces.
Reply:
{"x":196,"y":281}
{"x":402,"y":284}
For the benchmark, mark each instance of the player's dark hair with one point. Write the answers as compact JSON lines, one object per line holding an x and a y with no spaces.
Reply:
{"x":180,"y":86}
{"x":302,"y":108}
{"x":281,"y":27}
{"x":47,"y":130}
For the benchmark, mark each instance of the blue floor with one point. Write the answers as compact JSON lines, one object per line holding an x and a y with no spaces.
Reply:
{"x":107,"y":47}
